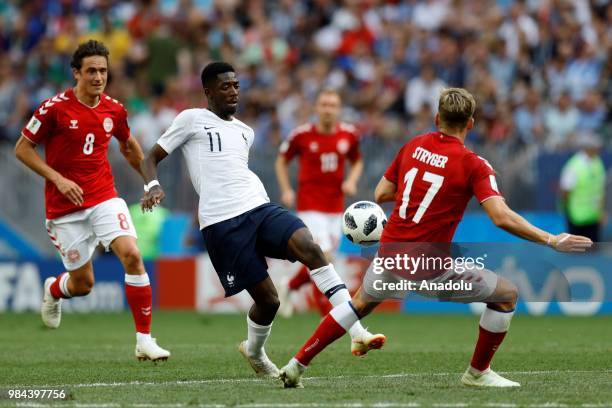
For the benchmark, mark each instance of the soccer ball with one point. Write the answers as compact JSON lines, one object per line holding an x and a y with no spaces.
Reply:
{"x":363,"y":223}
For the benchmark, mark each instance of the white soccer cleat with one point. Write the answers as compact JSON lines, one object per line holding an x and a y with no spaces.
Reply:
{"x":487,"y":378}
{"x":291,"y":374}
{"x":366,"y":342}
{"x":149,"y":350}
{"x":284,"y":296}
{"x":262,"y":366}
{"x":51,"y":308}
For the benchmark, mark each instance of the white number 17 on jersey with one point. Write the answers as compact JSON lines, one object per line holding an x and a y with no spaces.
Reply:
{"x":436,"y":182}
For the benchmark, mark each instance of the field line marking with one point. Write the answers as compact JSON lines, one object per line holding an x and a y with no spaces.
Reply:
{"x":256,"y":380}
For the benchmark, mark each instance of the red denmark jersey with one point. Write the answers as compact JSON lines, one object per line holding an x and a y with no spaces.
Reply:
{"x":76,"y":138}
{"x":436,"y":176}
{"x":321,"y":167}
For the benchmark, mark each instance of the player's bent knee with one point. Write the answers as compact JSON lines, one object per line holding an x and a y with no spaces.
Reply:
{"x":131,"y":258}
{"x":269,"y":305}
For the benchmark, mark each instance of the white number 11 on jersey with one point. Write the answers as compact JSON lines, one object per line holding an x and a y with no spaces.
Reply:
{"x":436,"y":182}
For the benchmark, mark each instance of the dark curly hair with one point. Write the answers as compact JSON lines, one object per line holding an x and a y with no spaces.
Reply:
{"x":88,"y":49}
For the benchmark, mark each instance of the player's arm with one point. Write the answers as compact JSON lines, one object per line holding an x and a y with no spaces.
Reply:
{"x":349,"y":187}
{"x":131,"y":150}
{"x":505,"y":218}
{"x":281,"y":166}
{"x":385,"y":191}
{"x":25,"y":151}
{"x":154,"y":194}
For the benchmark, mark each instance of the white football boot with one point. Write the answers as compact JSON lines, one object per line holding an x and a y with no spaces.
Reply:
{"x":262,"y":366}
{"x":148,"y":349}
{"x":487,"y":378}
{"x":51,"y":308}
{"x":367,"y":341}
{"x":284,"y":296}
{"x":291,"y":374}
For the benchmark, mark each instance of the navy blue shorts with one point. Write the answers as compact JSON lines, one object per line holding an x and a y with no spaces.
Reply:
{"x":238,"y":247}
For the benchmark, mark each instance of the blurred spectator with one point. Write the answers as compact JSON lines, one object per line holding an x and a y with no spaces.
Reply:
{"x":582,"y":184}
{"x":592,"y":112}
{"x":561,"y":122}
{"x":424,"y":89}
{"x":529,"y":119}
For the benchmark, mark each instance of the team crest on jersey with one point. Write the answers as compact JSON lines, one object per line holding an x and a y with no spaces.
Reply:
{"x":73,"y":255}
{"x":107,"y":125}
{"x":314,"y":146}
{"x":74,"y":124}
{"x":343,"y":146}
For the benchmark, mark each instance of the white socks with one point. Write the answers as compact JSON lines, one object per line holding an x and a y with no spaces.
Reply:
{"x":141,"y":337}
{"x":345,"y":315}
{"x":329,"y":283}
{"x":494,"y":321}
{"x":256,"y":338}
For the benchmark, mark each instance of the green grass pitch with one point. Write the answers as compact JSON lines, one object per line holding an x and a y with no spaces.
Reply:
{"x":560,"y":361}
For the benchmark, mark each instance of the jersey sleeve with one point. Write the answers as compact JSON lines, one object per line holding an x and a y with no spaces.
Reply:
{"x":41,"y":123}
{"x":122,"y":131}
{"x":291,"y":146}
{"x":178,"y":133}
{"x":392,"y":173}
{"x":482,"y":179}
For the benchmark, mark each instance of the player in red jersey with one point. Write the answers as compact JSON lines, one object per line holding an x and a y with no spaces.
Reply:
{"x":323,"y":148}
{"x":82,"y":206}
{"x":431,"y":181}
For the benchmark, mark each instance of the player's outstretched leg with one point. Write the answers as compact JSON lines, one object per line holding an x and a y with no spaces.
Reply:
{"x":331,"y":328}
{"x":259,"y":326}
{"x":139,"y":296}
{"x":302,"y":247}
{"x":77,"y":282}
{"x":494,"y":324}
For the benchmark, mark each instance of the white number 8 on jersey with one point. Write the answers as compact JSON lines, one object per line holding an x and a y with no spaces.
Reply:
{"x":89,"y":143}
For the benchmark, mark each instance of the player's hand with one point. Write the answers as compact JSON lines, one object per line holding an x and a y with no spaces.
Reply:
{"x":288,"y":198}
{"x":349,"y":188}
{"x":153,"y":198}
{"x":70,"y":190}
{"x":570,"y":243}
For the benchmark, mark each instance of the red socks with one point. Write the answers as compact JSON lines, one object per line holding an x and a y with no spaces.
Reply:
{"x":331,"y":328}
{"x":486,"y":346}
{"x":493,"y":327}
{"x":140,"y":298}
{"x":328,"y":331}
{"x":59,"y":288}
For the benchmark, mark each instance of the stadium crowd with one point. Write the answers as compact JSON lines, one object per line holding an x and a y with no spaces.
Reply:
{"x":541,"y":69}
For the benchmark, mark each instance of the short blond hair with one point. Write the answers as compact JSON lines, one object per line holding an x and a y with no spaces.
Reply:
{"x":456,"y":106}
